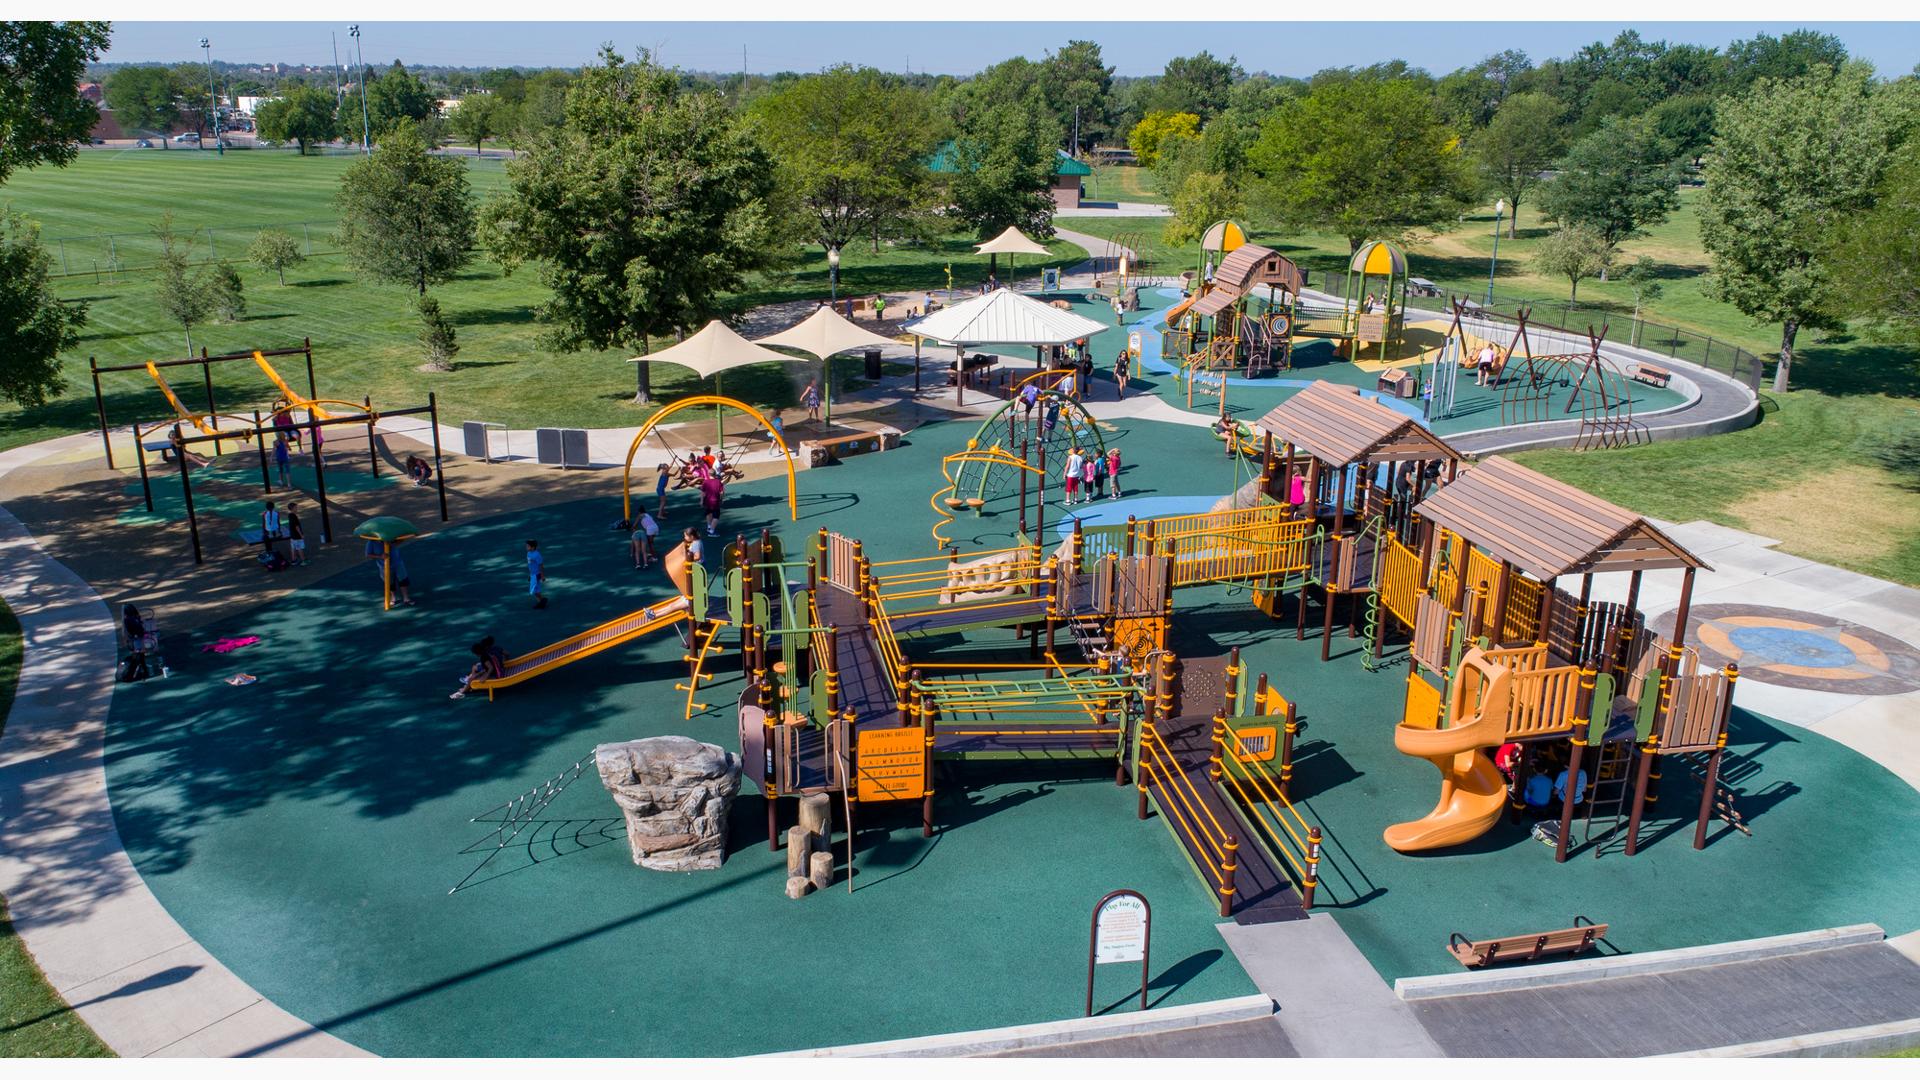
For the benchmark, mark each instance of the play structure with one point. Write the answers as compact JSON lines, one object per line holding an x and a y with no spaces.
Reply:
{"x":1008,"y":455}
{"x":1540,"y":388}
{"x":192,"y":438}
{"x":1239,"y":315}
{"x":718,"y":403}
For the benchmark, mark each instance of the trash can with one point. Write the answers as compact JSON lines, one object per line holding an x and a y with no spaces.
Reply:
{"x":873,"y":364}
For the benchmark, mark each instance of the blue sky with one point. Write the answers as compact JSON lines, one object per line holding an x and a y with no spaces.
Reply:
{"x":1133,"y":48}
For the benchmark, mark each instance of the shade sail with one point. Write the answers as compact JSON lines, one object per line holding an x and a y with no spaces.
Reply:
{"x":1005,"y":317}
{"x":714,"y":349}
{"x":1011,"y":242}
{"x":825,"y":333}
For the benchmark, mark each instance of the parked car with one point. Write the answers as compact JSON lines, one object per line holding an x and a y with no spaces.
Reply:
{"x":187,"y":136}
{"x":144,"y":144}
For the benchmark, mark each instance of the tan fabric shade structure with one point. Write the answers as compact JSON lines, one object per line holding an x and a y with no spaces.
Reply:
{"x":1005,"y":317}
{"x":713,"y":350}
{"x":822,"y":334}
{"x":1011,"y":242}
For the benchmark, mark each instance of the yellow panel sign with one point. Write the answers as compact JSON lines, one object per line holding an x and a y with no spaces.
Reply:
{"x":892,"y":765}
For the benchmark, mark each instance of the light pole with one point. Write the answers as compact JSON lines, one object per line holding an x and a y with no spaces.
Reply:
{"x":213,"y":100}
{"x":833,"y":272}
{"x":1499,"y":208}
{"x":366,"y":136}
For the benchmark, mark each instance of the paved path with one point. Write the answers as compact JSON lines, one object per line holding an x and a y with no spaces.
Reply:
{"x":105,"y":943}
{"x":1332,"y":1003}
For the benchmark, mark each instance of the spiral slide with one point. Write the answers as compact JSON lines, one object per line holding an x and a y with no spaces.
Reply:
{"x":1473,"y":794}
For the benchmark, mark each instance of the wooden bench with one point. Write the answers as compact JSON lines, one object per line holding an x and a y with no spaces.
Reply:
{"x":1651,"y":374}
{"x":817,"y":452}
{"x":1577,"y":938}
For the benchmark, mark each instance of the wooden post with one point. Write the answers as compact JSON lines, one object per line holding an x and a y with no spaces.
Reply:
{"x":140,"y":456}
{"x":186,"y":493}
{"x":1619,"y":659}
{"x":1290,"y":727}
{"x":1581,"y":624}
{"x":1308,"y":886}
{"x":1340,"y":502}
{"x":1313,"y":488}
{"x":1708,"y":791}
{"x":373,"y":452}
{"x":1132,"y":525}
{"x":1644,"y":768}
{"x":927,"y":714}
{"x":320,"y":482}
{"x":260,"y":444}
{"x":206,"y":373}
{"x":1502,"y":591}
{"x":1582,"y":724}
{"x":1231,"y":692}
{"x":1229,"y":865}
{"x":1547,"y":602}
{"x":1024,"y":445}
{"x":439,"y":470}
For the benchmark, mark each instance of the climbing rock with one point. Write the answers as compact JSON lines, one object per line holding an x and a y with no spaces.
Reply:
{"x":820,"y":869}
{"x":799,"y":846}
{"x":675,"y":793}
{"x":797,"y":887}
{"x":816,"y":817}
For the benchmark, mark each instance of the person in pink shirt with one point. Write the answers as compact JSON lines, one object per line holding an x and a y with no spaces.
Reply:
{"x":1113,"y":473}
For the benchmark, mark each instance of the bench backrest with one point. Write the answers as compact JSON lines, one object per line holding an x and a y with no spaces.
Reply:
{"x":1534,"y":946}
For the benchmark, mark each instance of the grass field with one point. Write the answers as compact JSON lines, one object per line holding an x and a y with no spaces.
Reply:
{"x":364,"y":335}
{"x":1121,"y":183}
{"x":34,"y":1022}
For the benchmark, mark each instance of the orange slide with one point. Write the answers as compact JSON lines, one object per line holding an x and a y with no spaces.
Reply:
{"x":609,"y":634}
{"x":1473,"y":794}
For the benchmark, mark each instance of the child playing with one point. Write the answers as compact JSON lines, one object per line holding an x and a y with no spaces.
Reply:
{"x":296,"y":537}
{"x":1090,"y":475}
{"x":490,"y":663}
{"x":810,"y":397}
{"x":643,"y":541}
{"x":1113,"y":472}
{"x":1071,"y":474}
{"x":536,"y":574}
{"x":282,"y":461}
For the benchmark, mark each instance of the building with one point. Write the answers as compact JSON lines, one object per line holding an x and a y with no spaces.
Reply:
{"x":1066,"y":186}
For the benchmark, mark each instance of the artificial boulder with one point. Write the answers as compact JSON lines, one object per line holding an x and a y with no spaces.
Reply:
{"x":675,"y":793}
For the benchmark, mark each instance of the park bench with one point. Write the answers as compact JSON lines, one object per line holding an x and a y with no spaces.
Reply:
{"x":1577,"y":938}
{"x":1651,"y":374}
{"x":818,"y":452}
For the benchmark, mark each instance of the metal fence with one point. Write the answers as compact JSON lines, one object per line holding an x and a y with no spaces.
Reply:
{"x":104,"y":255}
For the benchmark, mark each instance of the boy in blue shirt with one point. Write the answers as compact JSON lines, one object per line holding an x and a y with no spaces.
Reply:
{"x":536,"y":574}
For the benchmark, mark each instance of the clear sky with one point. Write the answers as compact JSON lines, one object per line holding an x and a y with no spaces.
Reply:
{"x":1132,"y":48}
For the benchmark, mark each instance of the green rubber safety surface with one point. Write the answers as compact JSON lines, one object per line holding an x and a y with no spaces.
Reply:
{"x":308,"y":828}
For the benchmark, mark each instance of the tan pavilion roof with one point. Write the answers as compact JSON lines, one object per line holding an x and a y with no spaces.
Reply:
{"x":1337,"y":426}
{"x":1548,"y":528}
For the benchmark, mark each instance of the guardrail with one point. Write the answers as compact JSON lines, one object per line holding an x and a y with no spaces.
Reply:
{"x":1239,"y":769}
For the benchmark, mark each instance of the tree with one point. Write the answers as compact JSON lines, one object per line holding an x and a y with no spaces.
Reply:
{"x":1156,"y":129}
{"x":1078,"y":85}
{"x":303,"y":115}
{"x":1791,"y":161}
{"x":1616,"y":181}
{"x":35,"y":325}
{"x":392,"y":96}
{"x":851,"y":146}
{"x":437,"y":336}
{"x":1197,"y":84}
{"x":1519,"y":143}
{"x":1367,"y":159}
{"x":1877,"y":282}
{"x":1469,"y":98}
{"x":480,"y":117}
{"x":1203,"y":198}
{"x":1788,"y":56}
{"x":640,"y":210}
{"x":42,"y":115}
{"x":179,"y":287}
{"x":1004,"y":156}
{"x":143,"y":99}
{"x":226,"y":296}
{"x":1683,"y":125}
{"x":1643,"y":278}
{"x":406,"y":216}
{"x":274,"y":251}
{"x":1573,"y":252}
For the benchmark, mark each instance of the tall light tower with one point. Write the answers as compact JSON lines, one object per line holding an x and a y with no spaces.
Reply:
{"x":213,"y":100}
{"x":366,"y":135}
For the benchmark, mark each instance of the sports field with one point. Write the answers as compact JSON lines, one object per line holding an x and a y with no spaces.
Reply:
{"x":366,"y":335}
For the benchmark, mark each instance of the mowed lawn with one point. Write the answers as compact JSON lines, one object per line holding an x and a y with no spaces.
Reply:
{"x":1803,"y":475}
{"x":365,"y":335}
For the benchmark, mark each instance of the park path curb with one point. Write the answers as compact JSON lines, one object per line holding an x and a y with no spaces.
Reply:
{"x":103,"y":939}
{"x":1873,"y":1040}
{"x":1428,"y":987}
{"x":1055,"y":1032}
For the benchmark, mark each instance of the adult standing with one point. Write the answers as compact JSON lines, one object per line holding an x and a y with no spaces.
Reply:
{"x":1122,"y":369}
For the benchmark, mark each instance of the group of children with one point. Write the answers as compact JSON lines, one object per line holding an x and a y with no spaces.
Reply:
{"x":1086,"y":474}
{"x":277,"y":525}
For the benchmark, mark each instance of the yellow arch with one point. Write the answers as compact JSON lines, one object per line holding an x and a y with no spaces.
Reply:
{"x":626,"y":472}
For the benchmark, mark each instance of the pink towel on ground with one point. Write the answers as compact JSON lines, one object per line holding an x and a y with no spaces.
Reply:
{"x":227,"y":645}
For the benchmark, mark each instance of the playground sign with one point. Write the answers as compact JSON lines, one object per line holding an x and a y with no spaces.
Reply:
{"x":1371,"y":327}
{"x":1122,"y":934}
{"x":1050,"y":279}
{"x":893,"y":765}
{"x":1133,"y":343}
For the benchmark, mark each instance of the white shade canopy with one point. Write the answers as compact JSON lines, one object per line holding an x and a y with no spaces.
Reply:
{"x":1005,"y":317}
{"x":714,"y":349}
{"x":1011,"y":242}
{"x":825,"y":333}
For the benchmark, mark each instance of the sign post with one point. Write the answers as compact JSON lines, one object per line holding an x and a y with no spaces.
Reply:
{"x":1122,"y":934}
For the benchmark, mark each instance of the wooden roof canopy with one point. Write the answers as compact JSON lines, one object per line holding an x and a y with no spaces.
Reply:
{"x":1338,"y":427}
{"x":1548,"y":528}
{"x":1245,"y":267}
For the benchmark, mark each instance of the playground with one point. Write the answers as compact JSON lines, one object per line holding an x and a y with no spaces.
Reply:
{"x":319,"y":841}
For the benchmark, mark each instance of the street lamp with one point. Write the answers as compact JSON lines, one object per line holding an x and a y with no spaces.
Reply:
{"x":366,"y":136}
{"x":833,"y":272}
{"x":213,"y":100}
{"x":1499,"y":208}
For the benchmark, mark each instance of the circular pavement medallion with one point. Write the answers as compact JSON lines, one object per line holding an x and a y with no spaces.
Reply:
{"x":1800,"y":649}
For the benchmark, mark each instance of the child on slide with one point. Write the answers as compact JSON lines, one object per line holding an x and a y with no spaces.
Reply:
{"x":490,"y":663}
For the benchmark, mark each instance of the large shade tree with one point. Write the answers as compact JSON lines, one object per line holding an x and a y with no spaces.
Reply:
{"x":42,"y":115}
{"x":1079,"y":85}
{"x":642,"y":210}
{"x":1875,"y":265}
{"x":851,"y":147}
{"x":1005,"y":150}
{"x":1518,"y":144}
{"x":406,"y":216}
{"x":1791,"y":162}
{"x":1617,"y":181}
{"x":303,"y":115}
{"x":1364,"y":158}
{"x":143,"y":98}
{"x":35,"y":326}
